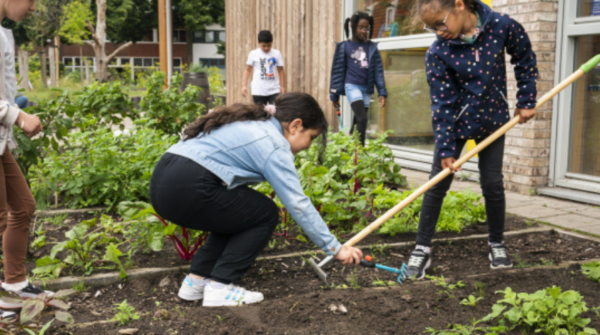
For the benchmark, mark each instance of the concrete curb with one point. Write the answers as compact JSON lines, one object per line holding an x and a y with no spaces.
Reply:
{"x":109,"y":278}
{"x":53,"y":212}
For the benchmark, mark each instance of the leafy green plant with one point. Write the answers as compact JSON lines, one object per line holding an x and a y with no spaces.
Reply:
{"x":380,"y":282}
{"x":100,"y":167}
{"x":547,"y":311}
{"x":448,"y":289}
{"x":592,"y":270}
{"x":148,"y":230}
{"x":169,"y":110}
{"x":125,"y":313}
{"x":471,"y":301}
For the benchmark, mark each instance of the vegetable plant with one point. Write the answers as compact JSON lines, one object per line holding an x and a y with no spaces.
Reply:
{"x":448,"y":289}
{"x":148,"y":230}
{"x":36,"y":308}
{"x":471,"y":301}
{"x":592,"y":270}
{"x":125,"y":313}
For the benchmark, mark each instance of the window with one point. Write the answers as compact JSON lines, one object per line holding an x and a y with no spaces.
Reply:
{"x":218,"y":62}
{"x":76,"y":64}
{"x":209,"y":37}
{"x":390,"y":18}
{"x":588,"y":8}
{"x":179,"y":36}
{"x":390,"y":15}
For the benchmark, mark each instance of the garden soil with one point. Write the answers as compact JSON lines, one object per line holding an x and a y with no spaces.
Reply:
{"x":296,"y":302}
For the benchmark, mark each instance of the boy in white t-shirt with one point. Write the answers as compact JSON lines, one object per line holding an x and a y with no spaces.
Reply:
{"x":266,"y":83}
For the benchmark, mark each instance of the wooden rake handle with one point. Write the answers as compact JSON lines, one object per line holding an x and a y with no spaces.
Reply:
{"x":443,"y":174}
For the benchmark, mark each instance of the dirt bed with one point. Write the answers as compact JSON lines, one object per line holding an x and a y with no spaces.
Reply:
{"x":168,"y":257}
{"x":297,"y":303}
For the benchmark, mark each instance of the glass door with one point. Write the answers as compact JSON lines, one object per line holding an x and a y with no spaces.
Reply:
{"x":576,"y":149}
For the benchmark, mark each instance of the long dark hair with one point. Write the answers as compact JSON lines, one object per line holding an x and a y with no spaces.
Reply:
{"x":353,"y":22}
{"x":290,"y":106}
{"x":471,"y":5}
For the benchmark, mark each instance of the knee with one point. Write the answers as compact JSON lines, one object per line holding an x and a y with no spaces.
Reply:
{"x":361,"y":118}
{"x":25,"y":213}
{"x":492,"y":186}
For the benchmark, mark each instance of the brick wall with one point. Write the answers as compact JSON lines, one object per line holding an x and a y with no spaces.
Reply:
{"x":527,"y":152}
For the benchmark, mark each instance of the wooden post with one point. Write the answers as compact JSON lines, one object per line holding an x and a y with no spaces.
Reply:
{"x":57,"y":58}
{"x":162,"y":36}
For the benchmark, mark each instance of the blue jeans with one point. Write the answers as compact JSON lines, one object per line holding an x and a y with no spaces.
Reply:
{"x":357,"y":92}
{"x":22,"y":101}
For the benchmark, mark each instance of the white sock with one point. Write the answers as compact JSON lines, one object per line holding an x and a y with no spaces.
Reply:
{"x":198,"y":282}
{"x":216,"y":284}
{"x":16,"y":286}
{"x":495,"y":244}
{"x":423,"y":248}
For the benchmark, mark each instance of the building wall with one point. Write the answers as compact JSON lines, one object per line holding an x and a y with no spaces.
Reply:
{"x":140,"y":49}
{"x":527,"y":151}
{"x":303,"y":30}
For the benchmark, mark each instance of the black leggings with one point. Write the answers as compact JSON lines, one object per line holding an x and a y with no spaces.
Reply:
{"x":490,"y":170}
{"x":265,"y":99}
{"x":240,"y":220}
{"x":360,"y":120}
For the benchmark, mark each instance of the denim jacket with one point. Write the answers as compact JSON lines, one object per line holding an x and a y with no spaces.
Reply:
{"x":254,"y":151}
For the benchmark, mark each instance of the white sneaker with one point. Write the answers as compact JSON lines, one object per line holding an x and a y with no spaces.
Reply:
{"x":189,"y":291}
{"x":229,"y":295}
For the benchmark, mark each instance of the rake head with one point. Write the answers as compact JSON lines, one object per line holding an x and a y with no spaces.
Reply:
{"x":318,"y":268}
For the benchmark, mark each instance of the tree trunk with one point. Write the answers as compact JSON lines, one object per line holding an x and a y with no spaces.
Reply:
{"x":24,"y":69}
{"x":189,"y":38}
{"x":43,"y":67}
{"x":51,"y":58}
{"x":99,"y":43}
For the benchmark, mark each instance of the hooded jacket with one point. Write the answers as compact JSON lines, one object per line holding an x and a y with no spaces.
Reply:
{"x":468,"y":81}
{"x":338,"y":72}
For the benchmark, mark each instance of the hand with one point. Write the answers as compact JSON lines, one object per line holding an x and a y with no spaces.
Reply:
{"x":282,"y":90}
{"x":336,"y":105}
{"x":349,"y":255}
{"x":381,"y":101}
{"x":449,"y":163}
{"x":30,"y":124}
{"x":244,"y":91}
{"x":524,"y":114}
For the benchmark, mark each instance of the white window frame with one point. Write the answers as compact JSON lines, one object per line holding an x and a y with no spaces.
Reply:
{"x":390,"y":10}
{"x":569,"y":28}
{"x":416,"y":159}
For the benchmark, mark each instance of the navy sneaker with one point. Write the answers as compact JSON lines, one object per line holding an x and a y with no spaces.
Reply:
{"x":499,"y":257}
{"x":418,"y":262}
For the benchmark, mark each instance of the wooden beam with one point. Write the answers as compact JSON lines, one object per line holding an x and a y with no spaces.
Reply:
{"x":162,"y":36}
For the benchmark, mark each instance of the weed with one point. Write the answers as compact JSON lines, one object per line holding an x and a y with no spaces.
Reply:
{"x":546,"y":262}
{"x":125,"y":313}
{"x":380,"y":282}
{"x":272,"y":243}
{"x":354,"y":279}
{"x":221,"y":318}
{"x":448,"y":289}
{"x":55,"y":220}
{"x":379,"y":248}
{"x":470,"y":301}
{"x":157,"y":303}
{"x":479,"y":289}
{"x":520,"y":263}
{"x":532,"y":192}
{"x":80,"y":286}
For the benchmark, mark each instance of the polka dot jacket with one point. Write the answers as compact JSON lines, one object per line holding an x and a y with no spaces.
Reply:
{"x":468,"y":81}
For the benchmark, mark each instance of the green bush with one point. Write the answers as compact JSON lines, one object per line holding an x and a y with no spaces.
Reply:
{"x":169,"y":110}
{"x":101,"y":168}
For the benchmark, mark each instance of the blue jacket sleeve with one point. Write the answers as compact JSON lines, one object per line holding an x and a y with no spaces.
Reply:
{"x":379,"y":75}
{"x":444,"y":93}
{"x":280,"y":172}
{"x":524,"y":60}
{"x":338,"y":73}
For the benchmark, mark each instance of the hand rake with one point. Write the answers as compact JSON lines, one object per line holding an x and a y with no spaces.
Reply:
{"x":587,"y":67}
{"x":401,"y":272}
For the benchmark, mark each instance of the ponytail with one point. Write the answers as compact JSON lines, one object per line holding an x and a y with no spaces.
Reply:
{"x":288,"y":106}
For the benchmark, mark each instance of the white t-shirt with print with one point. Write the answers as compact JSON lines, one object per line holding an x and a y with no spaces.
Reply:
{"x":265,"y":80}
